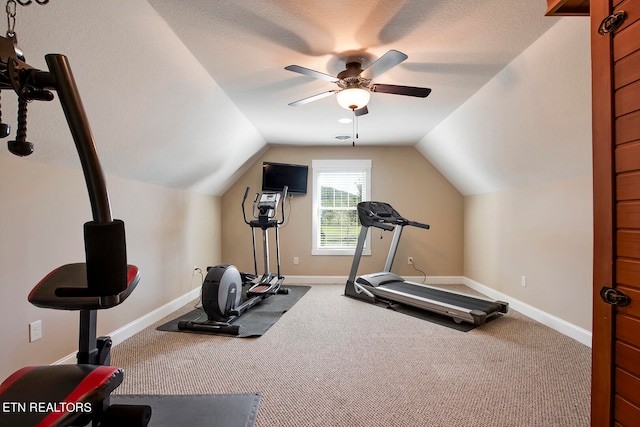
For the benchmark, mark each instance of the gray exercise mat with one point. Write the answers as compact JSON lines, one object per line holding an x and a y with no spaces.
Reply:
{"x":199,"y":410}
{"x":256,"y":321}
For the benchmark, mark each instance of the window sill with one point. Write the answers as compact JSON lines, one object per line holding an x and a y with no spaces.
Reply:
{"x":339,"y":252}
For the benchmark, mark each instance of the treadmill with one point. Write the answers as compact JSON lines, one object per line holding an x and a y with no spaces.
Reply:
{"x":390,"y":288}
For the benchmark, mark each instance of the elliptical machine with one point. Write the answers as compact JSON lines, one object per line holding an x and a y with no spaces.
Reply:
{"x":222,"y":289}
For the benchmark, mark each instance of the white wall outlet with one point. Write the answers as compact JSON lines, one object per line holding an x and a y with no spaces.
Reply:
{"x":296,"y":260}
{"x":523,"y":281}
{"x":410,"y":260}
{"x":35,"y":330}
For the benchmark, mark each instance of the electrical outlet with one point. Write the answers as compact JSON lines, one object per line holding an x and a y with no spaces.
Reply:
{"x":296,"y":260}
{"x":523,"y":281}
{"x":35,"y":330}
{"x":195,"y":270}
{"x":410,"y":260}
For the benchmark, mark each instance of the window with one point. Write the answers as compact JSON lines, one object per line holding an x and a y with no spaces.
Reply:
{"x":338,"y":187}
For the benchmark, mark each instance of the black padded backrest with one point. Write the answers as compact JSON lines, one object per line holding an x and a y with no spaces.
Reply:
{"x":106,"y":256}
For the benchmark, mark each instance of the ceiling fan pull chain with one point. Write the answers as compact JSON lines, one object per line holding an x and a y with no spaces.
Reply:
{"x":354,"y":131}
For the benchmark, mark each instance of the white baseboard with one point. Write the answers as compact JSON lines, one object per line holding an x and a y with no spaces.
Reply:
{"x":314,"y":280}
{"x":569,"y":329}
{"x":132,"y":328}
{"x":341,"y":280}
{"x":435,"y":280}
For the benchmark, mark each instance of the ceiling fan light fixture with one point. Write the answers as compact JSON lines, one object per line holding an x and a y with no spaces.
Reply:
{"x":353,"y":98}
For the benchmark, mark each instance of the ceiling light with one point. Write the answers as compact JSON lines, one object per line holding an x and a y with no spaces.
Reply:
{"x":353,"y":98}
{"x":345,"y":120}
{"x":342,"y":137}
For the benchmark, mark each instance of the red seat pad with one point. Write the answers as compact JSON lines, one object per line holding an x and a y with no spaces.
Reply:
{"x":54,"y":395}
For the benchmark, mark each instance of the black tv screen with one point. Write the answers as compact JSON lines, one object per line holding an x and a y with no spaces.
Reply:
{"x":276,"y":175}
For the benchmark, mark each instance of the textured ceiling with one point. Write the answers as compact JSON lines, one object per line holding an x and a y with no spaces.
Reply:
{"x":453,"y":46}
{"x":187,"y":94}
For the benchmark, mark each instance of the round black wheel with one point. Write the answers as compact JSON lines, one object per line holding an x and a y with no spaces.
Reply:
{"x":221,"y":292}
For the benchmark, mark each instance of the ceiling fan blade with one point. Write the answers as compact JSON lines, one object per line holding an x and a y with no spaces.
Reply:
{"x":312,"y":98}
{"x":362,"y":111}
{"x":420,"y":92}
{"x":311,"y":73}
{"x":383,"y":64}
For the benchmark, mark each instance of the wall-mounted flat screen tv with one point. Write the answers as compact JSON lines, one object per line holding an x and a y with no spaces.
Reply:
{"x":276,"y":175}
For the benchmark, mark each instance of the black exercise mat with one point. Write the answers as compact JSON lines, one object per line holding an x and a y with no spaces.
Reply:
{"x":198,"y":410}
{"x":256,"y":321}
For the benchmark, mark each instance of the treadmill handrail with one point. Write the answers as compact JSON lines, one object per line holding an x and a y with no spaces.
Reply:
{"x":418,"y":224}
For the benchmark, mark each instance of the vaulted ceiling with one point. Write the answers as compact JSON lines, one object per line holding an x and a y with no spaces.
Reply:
{"x":453,"y":46}
{"x":187,"y":93}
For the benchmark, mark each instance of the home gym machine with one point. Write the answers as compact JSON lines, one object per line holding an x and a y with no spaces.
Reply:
{"x":222,"y":290}
{"x":71,"y":394}
{"x":390,"y":288}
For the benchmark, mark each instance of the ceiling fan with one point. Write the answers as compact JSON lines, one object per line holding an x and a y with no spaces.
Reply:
{"x":355,"y":83}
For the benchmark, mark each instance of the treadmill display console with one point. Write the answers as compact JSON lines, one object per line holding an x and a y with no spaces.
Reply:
{"x":371,"y":212}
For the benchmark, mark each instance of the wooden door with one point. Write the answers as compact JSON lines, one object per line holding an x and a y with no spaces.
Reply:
{"x":616,"y":150}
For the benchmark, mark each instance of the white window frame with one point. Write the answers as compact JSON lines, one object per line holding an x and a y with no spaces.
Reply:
{"x":318,"y":167}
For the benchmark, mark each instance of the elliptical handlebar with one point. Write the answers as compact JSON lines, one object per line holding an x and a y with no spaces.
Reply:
{"x":285,"y":191}
{"x":244,"y":198}
{"x":253,"y":206}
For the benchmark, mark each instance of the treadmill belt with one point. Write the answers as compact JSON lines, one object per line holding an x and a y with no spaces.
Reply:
{"x":463,"y":301}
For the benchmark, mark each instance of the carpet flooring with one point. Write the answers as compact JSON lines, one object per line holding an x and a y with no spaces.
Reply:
{"x":336,"y":361}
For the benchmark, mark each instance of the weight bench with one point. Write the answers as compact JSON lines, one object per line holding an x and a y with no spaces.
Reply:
{"x":62,"y":395}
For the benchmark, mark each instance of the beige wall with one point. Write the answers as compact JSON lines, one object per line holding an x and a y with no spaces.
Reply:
{"x":520,"y":152}
{"x":401,"y":176}
{"x":543,"y":232}
{"x":43,"y":208}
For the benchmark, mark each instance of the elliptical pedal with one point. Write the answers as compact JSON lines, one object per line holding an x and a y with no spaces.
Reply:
{"x":260,"y":289}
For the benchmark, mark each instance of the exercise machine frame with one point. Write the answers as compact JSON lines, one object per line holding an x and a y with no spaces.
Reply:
{"x":266,"y":204}
{"x":223,"y":299}
{"x":102,"y":282}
